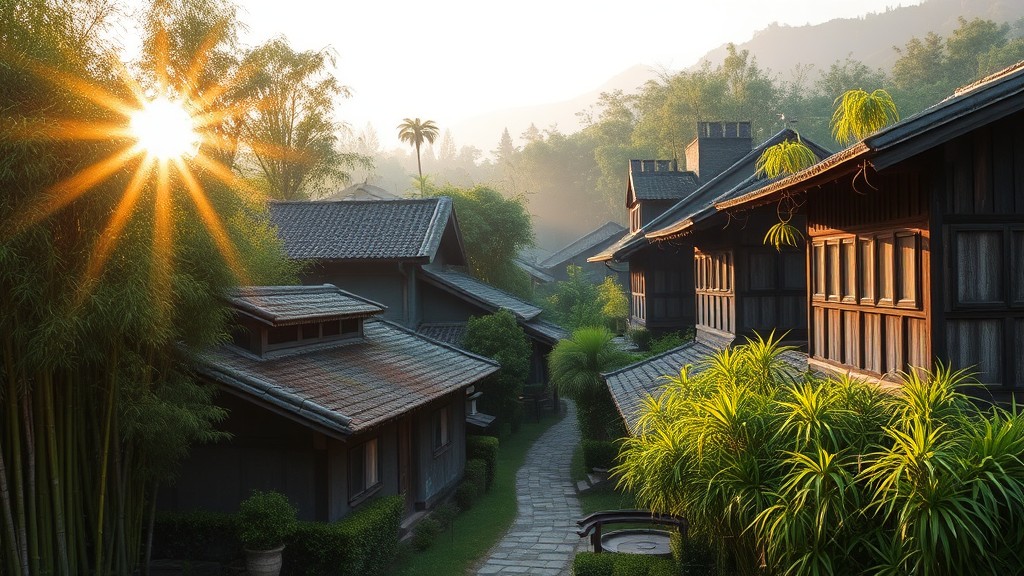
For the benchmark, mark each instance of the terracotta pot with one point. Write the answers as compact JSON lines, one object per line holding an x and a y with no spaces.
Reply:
{"x":263,"y":562}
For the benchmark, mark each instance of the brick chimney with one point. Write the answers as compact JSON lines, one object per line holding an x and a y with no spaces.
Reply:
{"x":718,"y":145}
{"x":653,"y":166}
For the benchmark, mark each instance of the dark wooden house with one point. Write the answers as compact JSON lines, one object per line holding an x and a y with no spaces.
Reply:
{"x":406,"y":254}
{"x":330,"y":405}
{"x":916,"y":240}
{"x":717,"y":270}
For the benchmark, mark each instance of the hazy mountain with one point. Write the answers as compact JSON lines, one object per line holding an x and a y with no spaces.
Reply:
{"x":485,"y":130}
{"x":778,"y":48}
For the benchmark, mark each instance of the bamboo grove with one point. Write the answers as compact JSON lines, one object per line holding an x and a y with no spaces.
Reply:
{"x":110,"y":283}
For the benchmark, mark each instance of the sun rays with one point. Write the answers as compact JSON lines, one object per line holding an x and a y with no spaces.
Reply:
{"x":166,"y":146}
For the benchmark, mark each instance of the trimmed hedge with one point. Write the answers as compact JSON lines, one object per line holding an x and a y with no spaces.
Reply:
{"x":476,"y":473}
{"x":609,"y":564}
{"x":361,"y":544}
{"x":484,"y":448}
{"x":599,"y":454}
{"x":196,"y":535}
{"x":425,"y":533}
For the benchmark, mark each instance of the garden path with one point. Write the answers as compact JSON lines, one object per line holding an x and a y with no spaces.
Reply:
{"x":542,"y":540}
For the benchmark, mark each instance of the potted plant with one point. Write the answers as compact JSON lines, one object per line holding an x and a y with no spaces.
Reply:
{"x":265,"y":522}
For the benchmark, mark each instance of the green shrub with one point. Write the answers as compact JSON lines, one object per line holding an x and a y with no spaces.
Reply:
{"x":196,"y":535}
{"x":266,"y":520}
{"x":476,"y":473}
{"x":466,"y":495}
{"x":425,"y":533}
{"x":445,"y":514}
{"x":669,"y":341}
{"x":362,"y":544}
{"x":599,"y":454}
{"x":591,"y":564}
{"x":498,"y":336}
{"x":640,"y":337}
{"x":485,"y":448}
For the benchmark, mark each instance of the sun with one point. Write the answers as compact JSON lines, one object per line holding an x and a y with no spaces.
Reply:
{"x":165,"y":130}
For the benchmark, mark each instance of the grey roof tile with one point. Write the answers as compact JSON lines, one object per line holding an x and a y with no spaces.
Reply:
{"x":448,"y":332}
{"x":629,"y":386}
{"x":586,"y":242}
{"x":548,"y":331}
{"x":532,"y":269}
{"x":669,"y":185}
{"x":486,"y":295}
{"x":362,"y":229}
{"x":353,"y":385}
{"x":283,"y":305}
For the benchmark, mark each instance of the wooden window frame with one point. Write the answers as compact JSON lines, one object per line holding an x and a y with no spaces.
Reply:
{"x":441,"y":429}
{"x":371,"y":480}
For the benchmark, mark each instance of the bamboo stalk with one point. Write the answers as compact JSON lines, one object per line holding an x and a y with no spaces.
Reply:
{"x":19,"y":539}
{"x":55,"y":479}
{"x":33,"y":496}
{"x":5,"y":499}
{"x":104,"y":459}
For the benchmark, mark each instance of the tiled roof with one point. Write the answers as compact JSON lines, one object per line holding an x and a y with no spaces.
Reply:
{"x":362,"y":191}
{"x":484,"y":294}
{"x":548,"y":331}
{"x":992,"y":97}
{"x":605,"y":232}
{"x":614,"y":248}
{"x":351,"y":386}
{"x":448,"y":332}
{"x":630,"y":385}
{"x":662,"y":185}
{"x":533,"y":270}
{"x":362,"y":229}
{"x":283,"y":305}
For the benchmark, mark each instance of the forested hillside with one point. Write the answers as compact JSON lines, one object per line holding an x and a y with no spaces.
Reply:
{"x":573,"y":182}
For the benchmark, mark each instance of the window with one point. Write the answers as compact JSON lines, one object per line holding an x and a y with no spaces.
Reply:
{"x":364,"y":469}
{"x":442,"y":428}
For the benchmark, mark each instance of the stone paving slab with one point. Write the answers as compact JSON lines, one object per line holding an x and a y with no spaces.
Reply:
{"x":542,"y":540}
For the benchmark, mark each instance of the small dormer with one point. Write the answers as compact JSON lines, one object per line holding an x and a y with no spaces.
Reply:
{"x":269,"y":319}
{"x":653,"y":187}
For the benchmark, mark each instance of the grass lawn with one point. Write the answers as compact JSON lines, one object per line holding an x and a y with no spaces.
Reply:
{"x":476,"y":530}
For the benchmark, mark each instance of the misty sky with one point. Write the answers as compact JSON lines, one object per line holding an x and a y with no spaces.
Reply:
{"x":452,"y":60}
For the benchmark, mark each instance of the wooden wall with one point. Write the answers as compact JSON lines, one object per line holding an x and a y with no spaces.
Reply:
{"x":661,"y":284}
{"x":980,"y":218}
{"x":868,"y":262}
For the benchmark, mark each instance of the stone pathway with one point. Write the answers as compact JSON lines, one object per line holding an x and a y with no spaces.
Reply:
{"x":542,"y":541}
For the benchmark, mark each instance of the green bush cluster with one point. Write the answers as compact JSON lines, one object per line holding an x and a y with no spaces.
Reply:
{"x":196,"y":535}
{"x":599,"y":454}
{"x":362,"y":544}
{"x":793,"y":473}
{"x":425,"y":533}
{"x":484,"y":448}
{"x":608,"y":564}
{"x":266,"y":520}
{"x":498,"y":336}
{"x":641,"y":338}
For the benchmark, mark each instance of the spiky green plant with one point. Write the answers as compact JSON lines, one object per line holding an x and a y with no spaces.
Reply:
{"x":786,"y":157}
{"x":859,"y":114}
{"x":576,"y":365}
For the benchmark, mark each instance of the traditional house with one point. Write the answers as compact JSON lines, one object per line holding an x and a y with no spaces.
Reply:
{"x":330,"y":405}
{"x":692,"y":267}
{"x":915,"y":248}
{"x":362,"y":191}
{"x":408,"y":255}
{"x":578,"y":251}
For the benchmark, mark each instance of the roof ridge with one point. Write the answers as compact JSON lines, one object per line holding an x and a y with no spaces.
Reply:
{"x":432,"y":239}
{"x":462,"y":351}
{"x":649,"y":359}
{"x":550,"y":260}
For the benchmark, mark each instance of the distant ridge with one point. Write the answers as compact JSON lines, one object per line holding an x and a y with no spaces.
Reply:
{"x":778,"y":48}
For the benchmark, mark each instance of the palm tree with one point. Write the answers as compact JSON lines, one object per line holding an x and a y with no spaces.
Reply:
{"x":576,"y":365}
{"x":414,"y":132}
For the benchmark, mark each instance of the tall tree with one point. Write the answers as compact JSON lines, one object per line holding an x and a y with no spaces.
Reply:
{"x":111,"y":278}
{"x":291,"y":131}
{"x":415,"y":132}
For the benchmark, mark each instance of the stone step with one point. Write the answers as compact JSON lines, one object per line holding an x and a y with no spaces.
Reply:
{"x":410,"y":521}
{"x":595,"y":478}
{"x":582,"y":486}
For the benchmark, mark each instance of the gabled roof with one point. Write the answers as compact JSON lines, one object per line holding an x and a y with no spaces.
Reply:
{"x":594,"y":238}
{"x":362,"y":191}
{"x":547,"y":331}
{"x":364,"y":230}
{"x":534,"y":272}
{"x":658,"y":180}
{"x":483,"y":294}
{"x":448,"y":332}
{"x":629,"y":386}
{"x":970,"y":107}
{"x":354,"y":385}
{"x":701,"y":204}
{"x":284,"y":305}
